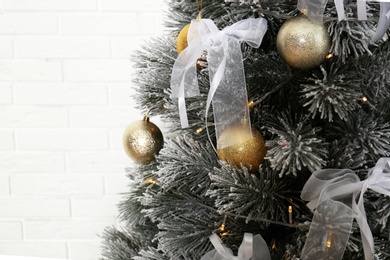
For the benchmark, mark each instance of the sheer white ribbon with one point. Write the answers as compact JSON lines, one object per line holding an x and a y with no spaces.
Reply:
{"x":226,"y":70}
{"x":333,"y":193}
{"x":314,"y":9}
{"x":252,"y":247}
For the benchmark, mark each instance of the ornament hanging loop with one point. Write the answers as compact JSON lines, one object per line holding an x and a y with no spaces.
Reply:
{"x":200,"y":6}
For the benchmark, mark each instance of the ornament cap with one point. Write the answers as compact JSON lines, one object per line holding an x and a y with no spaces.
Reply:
{"x":146,"y":118}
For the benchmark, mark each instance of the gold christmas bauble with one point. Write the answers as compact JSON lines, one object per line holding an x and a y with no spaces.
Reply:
{"x":182,"y":42}
{"x":237,"y":145}
{"x":142,"y":140}
{"x":302,"y":43}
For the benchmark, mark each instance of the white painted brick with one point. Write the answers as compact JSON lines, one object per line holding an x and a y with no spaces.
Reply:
{"x":121,"y":94}
{"x":58,"y":185}
{"x":4,"y":186}
{"x":62,"y":47}
{"x":94,"y":116}
{"x":6,"y":48}
{"x":85,"y":250}
{"x":97,"y":70}
{"x":28,"y":23}
{"x":95,"y":208}
{"x":30,"y":70}
{"x":49,"y":5}
{"x":117,"y":183}
{"x":125,"y":5}
{"x":65,"y":229}
{"x":60,"y":94}
{"x":11,"y":230}
{"x":104,"y":162}
{"x":60,"y":140}
{"x":35,"y":249}
{"x":25,"y":207}
{"x":32,"y":162}
{"x":29,"y":116}
{"x":5,"y":94}
{"x":125,"y":47}
{"x":108,"y":24}
{"x":116,"y":139}
{"x":6,"y":141}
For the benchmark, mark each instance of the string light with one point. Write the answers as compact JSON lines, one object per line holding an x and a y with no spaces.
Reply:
{"x":364,"y":99}
{"x":273,"y":244}
{"x":290,"y":214}
{"x":222,"y":227}
{"x":250,"y":103}
{"x":199,"y":130}
{"x":150,"y":181}
{"x":329,"y":240}
{"x":329,"y":56}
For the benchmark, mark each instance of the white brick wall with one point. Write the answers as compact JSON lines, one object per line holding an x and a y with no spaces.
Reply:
{"x":65,"y":99}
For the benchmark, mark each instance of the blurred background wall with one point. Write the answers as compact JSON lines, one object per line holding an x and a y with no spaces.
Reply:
{"x":65,"y":99}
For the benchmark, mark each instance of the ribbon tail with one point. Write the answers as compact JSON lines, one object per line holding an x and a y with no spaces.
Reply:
{"x":314,"y":9}
{"x":384,"y":21}
{"x":340,"y":9}
{"x":361,"y":9}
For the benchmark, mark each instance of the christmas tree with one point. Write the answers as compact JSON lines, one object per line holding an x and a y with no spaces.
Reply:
{"x":311,"y":120}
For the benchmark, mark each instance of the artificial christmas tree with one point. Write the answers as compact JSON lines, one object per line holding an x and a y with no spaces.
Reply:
{"x":326,"y":131}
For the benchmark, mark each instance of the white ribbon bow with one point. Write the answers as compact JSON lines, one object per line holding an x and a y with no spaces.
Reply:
{"x":333,"y":193}
{"x":224,"y":62}
{"x":252,"y":247}
{"x":315,"y":10}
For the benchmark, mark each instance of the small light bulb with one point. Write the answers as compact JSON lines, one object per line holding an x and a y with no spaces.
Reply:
{"x":199,"y":130}
{"x":250,"y":103}
{"x":290,"y":214}
{"x":364,"y":99}
{"x":329,"y":56}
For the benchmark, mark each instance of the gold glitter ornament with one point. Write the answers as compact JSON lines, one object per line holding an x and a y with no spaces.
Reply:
{"x":302,"y":43}
{"x":182,"y":42}
{"x":142,"y":140}
{"x":237,"y":145}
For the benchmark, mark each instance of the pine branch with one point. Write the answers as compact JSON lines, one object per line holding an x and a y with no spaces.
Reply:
{"x":295,"y":147}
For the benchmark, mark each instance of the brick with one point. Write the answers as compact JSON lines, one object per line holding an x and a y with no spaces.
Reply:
{"x":62,"y":47}
{"x":116,"y":139}
{"x":95,"y":208}
{"x":30,"y":70}
{"x":4,"y":186}
{"x":103,"y":117}
{"x":11,"y":230}
{"x":28,"y":23}
{"x":108,"y":24}
{"x":65,"y":229}
{"x":125,"y":5}
{"x":62,"y":140}
{"x":49,"y":5}
{"x":7,"y":141}
{"x":60,"y":94}
{"x":30,"y":116}
{"x":25,"y":207}
{"x":121,"y":94}
{"x":32,"y":162}
{"x":117,"y":183}
{"x":57,"y":185}
{"x":35,"y":249}
{"x":125,"y":47}
{"x":6,"y":48}
{"x":97,"y":70}
{"x":85,"y":250}
{"x":103,"y":162}
{"x":5,"y":94}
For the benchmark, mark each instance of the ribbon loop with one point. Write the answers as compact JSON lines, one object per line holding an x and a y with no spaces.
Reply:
{"x":332,"y":194}
{"x":226,"y":70}
{"x":252,"y":247}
